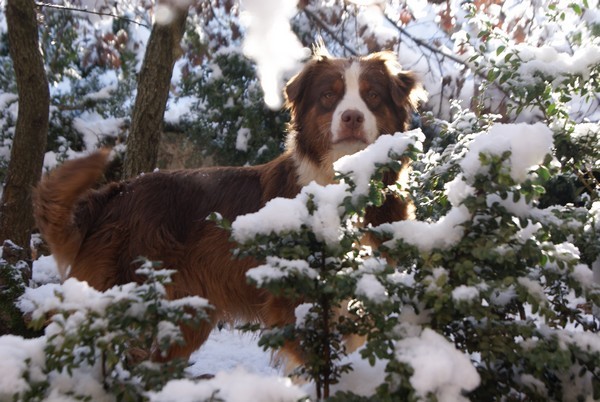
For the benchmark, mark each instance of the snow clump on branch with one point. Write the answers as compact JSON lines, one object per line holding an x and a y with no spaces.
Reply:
{"x":270,"y":42}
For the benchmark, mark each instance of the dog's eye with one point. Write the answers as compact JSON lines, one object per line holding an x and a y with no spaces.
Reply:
{"x":328,"y":99}
{"x":328,"y":95}
{"x":372,"y":95}
{"x":372,"y":98}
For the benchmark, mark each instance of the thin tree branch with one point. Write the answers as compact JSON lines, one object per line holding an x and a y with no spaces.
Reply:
{"x":312,"y":16}
{"x":433,"y":49}
{"x":424,"y":44}
{"x":67,"y":8}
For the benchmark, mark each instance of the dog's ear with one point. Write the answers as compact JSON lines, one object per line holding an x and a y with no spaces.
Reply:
{"x":294,"y":89}
{"x":299,"y":84}
{"x":296,"y":85}
{"x":406,"y":91}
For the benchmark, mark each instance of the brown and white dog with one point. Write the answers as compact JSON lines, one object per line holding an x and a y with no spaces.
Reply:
{"x":338,"y":107}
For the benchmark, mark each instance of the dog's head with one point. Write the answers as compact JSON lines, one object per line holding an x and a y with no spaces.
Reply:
{"x":339,"y":106}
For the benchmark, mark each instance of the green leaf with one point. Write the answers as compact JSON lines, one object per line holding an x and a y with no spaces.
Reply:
{"x":577,"y":8}
{"x":492,"y":74}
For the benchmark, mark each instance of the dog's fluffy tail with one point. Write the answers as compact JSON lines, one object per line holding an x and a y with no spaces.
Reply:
{"x":54,"y":201}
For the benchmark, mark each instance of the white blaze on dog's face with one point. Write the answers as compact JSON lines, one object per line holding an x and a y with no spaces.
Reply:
{"x":339,"y":106}
{"x":353,"y":121}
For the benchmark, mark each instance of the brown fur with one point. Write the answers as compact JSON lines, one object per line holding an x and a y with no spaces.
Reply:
{"x":97,"y":234}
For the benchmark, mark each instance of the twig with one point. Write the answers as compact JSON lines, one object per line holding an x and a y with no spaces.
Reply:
{"x":67,"y":8}
{"x":422,"y":43}
{"x":589,"y":181}
{"x":433,"y":49}
{"x":324,"y":27}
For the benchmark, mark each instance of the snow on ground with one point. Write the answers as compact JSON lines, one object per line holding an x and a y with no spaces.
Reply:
{"x":228,"y":349}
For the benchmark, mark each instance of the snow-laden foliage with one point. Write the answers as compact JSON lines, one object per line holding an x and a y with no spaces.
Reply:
{"x":475,"y":302}
{"x":496,"y":280}
{"x":314,"y":256}
{"x":98,"y":345}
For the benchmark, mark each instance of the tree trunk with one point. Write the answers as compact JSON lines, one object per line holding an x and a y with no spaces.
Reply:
{"x":29,"y":142}
{"x":153,"y":91}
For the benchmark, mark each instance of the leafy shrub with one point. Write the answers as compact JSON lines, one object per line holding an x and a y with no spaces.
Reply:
{"x":313,"y":256}
{"x":15,"y":273}
{"x":98,"y":344}
{"x":230,"y":119}
{"x":489,"y":288}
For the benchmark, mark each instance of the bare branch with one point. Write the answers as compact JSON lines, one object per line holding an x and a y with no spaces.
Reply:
{"x":312,"y":16}
{"x":435,"y":50}
{"x":424,"y":44}
{"x":66,"y":8}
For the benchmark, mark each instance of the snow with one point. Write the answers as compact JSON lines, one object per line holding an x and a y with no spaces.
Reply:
{"x":585,"y":276}
{"x":65,"y":387}
{"x":241,"y":141}
{"x":364,"y":378}
{"x":108,"y":81}
{"x":550,"y":61}
{"x":427,"y":236}
{"x":439,"y":368}
{"x":178,"y":107}
{"x":369,"y":287}
{"x":527,"y":232}
{"x":95,"y":127}
{"x":520,"y":208}
{"x":373,"y":18}
{"x":163,"y":14}
{"x":533,"y":287}
{"x":235,"y":386}
{"x":458,"y":190}
{"x":501,"y":297}
{"x":44,"y":270}
{"x":16,"y":352}
{"x":282,"y":215}
{"x":465,"y":293}
{"x":277,"y":268}
{"x":227,"y":349}
{"x":270,"y":42}
{"x":302,"y":312}
{"x":374,"y":154}
{"x":7,"y":98}
{"x":528,"y":144}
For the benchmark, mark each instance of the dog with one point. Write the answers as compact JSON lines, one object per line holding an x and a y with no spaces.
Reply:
{"x":338,"y":106}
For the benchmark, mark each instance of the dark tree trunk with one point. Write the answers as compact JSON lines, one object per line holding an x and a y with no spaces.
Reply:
{"x":153,"y":91}
{"x":29,"y":143}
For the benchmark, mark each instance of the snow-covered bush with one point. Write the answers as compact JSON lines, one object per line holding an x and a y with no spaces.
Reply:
{"x":484,"y":301}
{"x":14,"y":278}
{"x":491,"y":277}
{"x":313,"y":255}
{"x":98,"y":345}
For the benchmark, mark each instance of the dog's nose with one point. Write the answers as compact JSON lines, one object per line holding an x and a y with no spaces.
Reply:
{"x":353,"y":119}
